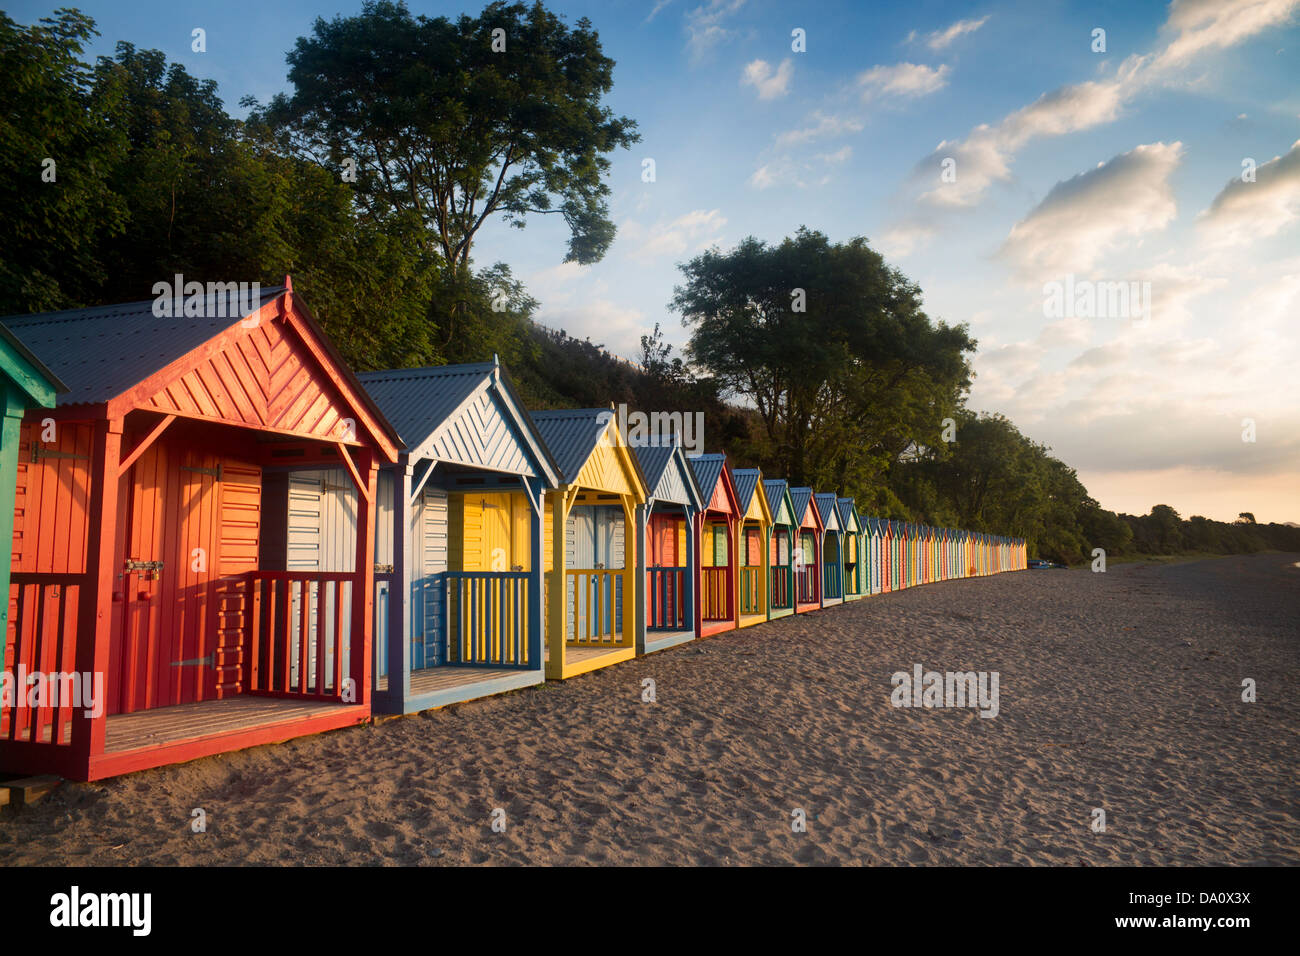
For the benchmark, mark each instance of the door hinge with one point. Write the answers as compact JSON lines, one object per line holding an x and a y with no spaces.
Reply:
{"x":195,"y":662}
{"x":39,"y":452}
{"x":214,"y":472}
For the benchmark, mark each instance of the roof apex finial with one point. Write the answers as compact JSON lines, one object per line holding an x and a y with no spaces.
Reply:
{"x":288,"y":282}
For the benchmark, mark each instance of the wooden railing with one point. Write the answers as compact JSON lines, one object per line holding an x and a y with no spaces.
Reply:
{"x":807,"y":584}
{"x":299,"y":634}
{"x":596,"y":606}
{"x":486,"y":617}
{"x":715,"y":594}
{"x":751,"y":591}
{"x":42,"y":635}
{"x":780,"y":587}
{"x":665,"y":604}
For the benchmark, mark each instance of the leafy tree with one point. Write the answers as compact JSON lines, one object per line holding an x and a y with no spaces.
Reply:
{"x":831,"y":347}
{"x":55,"y":110}
{"x":448,"y":132}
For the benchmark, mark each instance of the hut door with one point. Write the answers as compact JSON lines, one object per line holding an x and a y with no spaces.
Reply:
{"x":496,"y":553}
{"x":162,"y":647}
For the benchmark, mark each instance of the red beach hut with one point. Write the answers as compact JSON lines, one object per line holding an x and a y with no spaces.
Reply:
{"x":136,"y":580}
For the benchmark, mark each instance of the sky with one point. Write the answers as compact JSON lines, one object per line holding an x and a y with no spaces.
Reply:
{"x":1007,"y":156}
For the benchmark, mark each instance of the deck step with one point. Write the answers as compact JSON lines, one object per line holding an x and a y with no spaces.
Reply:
{"x":28,"y":790}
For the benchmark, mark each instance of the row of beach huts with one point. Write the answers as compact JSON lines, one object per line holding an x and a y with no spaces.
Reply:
{"x":222,"y":537}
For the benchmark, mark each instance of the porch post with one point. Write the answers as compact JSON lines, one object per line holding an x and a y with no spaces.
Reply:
{"x":642,"y":600}
{"x":689,"y":579}
{"x":555,"y":612}
{"x":537,"y":570}
{"x":363,"y":588}
{"x":399,"y":591}
{"x":95,"y":604}
{"x":631,"y":593}
{"x":9,"y":437}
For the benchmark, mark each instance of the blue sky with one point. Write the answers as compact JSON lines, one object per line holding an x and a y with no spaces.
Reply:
{"x":1105,"y":167}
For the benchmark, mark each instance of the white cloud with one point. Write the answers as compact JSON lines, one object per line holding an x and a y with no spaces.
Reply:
{"x":1243,"y":212}
{"x":1193,"y":26}
{"x":942,"y":39}
{"x":840,"y":155}
{"x":1083,"y":218}
{"x":655,"y":11}
{"x":769,"y":83}
{"x":704,"y":29}
{"x":902,"y":80}
{"x":691,"y":231}
{"x":823,"y":125}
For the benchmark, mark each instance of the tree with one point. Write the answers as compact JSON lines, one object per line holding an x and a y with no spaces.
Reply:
{"x":60,"y":146}
{"x":831,"y":347}
{"x":448,"y":131}
{"x":1245,"y":517}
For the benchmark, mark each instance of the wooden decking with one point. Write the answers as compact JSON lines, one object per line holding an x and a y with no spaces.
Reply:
{"x":433,"y":687}
{"x":430,"y":680}
{"x":186,"y":722}
{"x":661,"y":640}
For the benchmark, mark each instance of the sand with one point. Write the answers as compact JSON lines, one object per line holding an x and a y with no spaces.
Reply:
{"x":1119,"y":691}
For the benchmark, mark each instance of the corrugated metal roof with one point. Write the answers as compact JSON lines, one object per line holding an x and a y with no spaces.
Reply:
{"x":774,"y":488}
{"x":827,"y":507}
{"x":800,"y":497}
{"x":26,"y":354}
{"x":746,"y":480}
{"x":418,"y":401}
{"x":654,"y":461}
{"x":707,"y":468}
{"x":571,"y":435}
{"x":848,"y":510}
{"x":103,"y":351}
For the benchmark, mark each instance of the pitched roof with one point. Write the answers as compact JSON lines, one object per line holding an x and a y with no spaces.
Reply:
{"x":707,"y":468}
{"x":571,"y":436}
{"x":23,"y":355}
{"x":418,"y":401}
{"x":103,"y":351}
{"x":848,"y":509}
{"x":800,"y":498}
{"x":746,"y":480}
{"x":827,"y":507}
{"x":654,"y":461}
{"x":775,"y":489}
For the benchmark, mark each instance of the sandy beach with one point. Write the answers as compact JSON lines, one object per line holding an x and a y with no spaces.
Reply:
{"x":1119,"y":691}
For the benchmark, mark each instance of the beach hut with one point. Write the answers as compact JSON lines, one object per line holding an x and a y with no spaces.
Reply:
{"x":458,"y":545}
{"x":808,"y":551}
{"x":886,"y":554}
{"x":592,"y":574}
{"x":25,"y":383}
{"x":900,"y":555}
{"x":717,"y":524}
{"x":755,"y":532}
{"x":782,"y":547}
{"x":853,"y":538}
{"x":666,"y":548}
{"x":136,"y":561}
{"x":828,"y":509}
{"x":871,"y":554}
